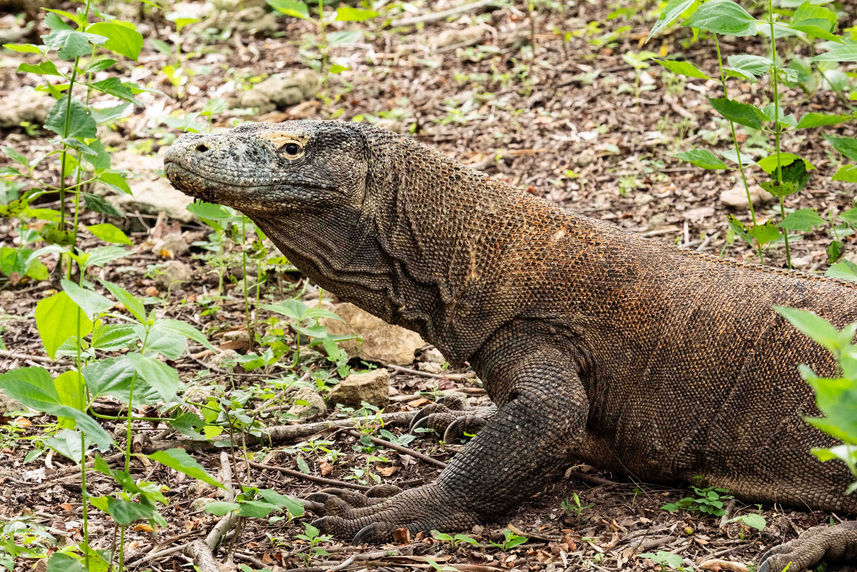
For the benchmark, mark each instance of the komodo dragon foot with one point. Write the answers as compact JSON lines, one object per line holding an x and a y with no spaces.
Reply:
{"x":832,"y":543}
{"x":424,"y":508}
{"x":450,"y":419}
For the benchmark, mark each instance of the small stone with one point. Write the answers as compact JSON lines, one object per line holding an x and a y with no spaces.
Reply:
{"x":25,"y":104}
{"x":199,"y":504}
{"x":281,"y":91}
{"x":312,"y":405}
{"x":171,"y":246}
{"x":378,"y":341}
{"x":172,"y":273}
{"x":227,"y":359}
{"x":736,"y":197}
{"x":8,"y":405}
{"x":373,"y":387}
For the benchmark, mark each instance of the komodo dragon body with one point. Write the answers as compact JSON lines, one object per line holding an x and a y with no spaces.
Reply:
{"x":595,"y":344}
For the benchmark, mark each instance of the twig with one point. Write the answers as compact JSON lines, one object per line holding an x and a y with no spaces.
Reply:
{"x":435,"y":16}
{"x":282,"y":433}
{"x":452,"y":376}
{"x":313,"y":478}
{"x":400,"y":449}
{"x":19,"y":355}
{"x":202,"y":557}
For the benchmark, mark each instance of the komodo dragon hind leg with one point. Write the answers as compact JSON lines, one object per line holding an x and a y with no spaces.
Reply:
{"x":832,"y":543}
{"x":450,"y":418}
{"x":510,"y":459}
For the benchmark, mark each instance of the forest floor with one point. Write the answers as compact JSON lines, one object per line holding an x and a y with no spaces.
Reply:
{"x":556,"y":107}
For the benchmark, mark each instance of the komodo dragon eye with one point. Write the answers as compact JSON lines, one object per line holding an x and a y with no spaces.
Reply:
{"x":291,"y":149}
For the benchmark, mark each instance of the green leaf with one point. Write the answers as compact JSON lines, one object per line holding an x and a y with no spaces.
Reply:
{"x":702,"y":158}
{"x":742,"y":113}
{"x":723,"y":17}
{"x":161,"y":377}
{"x":682,"y":68}
{"x":803,"y":220}
{"x":23,"y":48}
{"x":747,"y":66}
{"x":80,"y":121}
{"x":845,"y":145}
{"x":769,"y":164}
{"x":835,"y":250}
{"x":818,"y":119}
{"x":58,"y":318}
{"x":816,"y":21}
{"x":844,"y":270}
{"x":765,"y":233}
{"x":72,"y":44}
{"x":46,"y":67}
{"x":844,"y":52}
{"x":294,"y":507}
{"x":102,"y":255}
{"x":816,"y":328}
{"x":114,"y":86}
{"x":131,"y":302}
{"x":61,"y":562}
{"x":124,"y":512}
{"x":671,"y":12}
{"x":346,"y":13}
{"x":99,"y":204}
{"x":178,"y":459}
{"x":846,"y":173}
{"x":109,"y":233}
{"x":344,"y":37}
{"x":208,"y":211}
{"x":122,"y":37}
{"x":184,"y":329}
{"x":34,"y":387}
{"x":290,"y":8}
{"x":753,"y":520}
{"x":220,"y":508}
{"x":15,"y":156}
{"x":112,"y":337}
{"x":67,"y":444}
{"x":116,"y":181}
{"x":256,"y":509}
{"x":92,"y":303}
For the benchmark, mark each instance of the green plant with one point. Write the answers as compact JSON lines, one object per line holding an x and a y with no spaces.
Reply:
{"x":750,"y":520}
{"x":453,"y":540}
{"x":665,"y":560}
{"x":313,"y":536}
{"x":786,"y":173}
{"x":708,"y":500}
{"x":510,"y":540}
{"x":573,"y":507}
{"x":23,"y":537}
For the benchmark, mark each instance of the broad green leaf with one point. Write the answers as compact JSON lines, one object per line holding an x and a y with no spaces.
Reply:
{"x":131,"y":302}
{"x":812,"y":119}
{"x":15,"y":156}
{"x":184,"y":329}
{"x":769,"y":164}
{"x":109,"y":233}
{"x":671,"y":12}
{"x":77,"y":115}
{"x":290,"y":8}
{"x":23,"y":48}
{"x":114,"y":86}
{"x":179,"y":460}
{"x":742,"y":113}
{"x":682,"y":68}
{"x":208,"y":211}
{"x":61,"y":562}
{"x":67,"y":444}
{"x":747,"y":66}
{"x":34,"y":387}
{"x":346,"y":13}
{"x":46,"y":67}
{"x":753,"y":520}
{"x":764,"y":233}
{"x":844,"y":52}
{"x":294,"y":507}
{"x":112,"y":337}
{"x":702,"y":158}
{"x":71,"y":389}
{"x":161,"y":377}
{"x":122,"y":37}
{"x":803,"y":220}
{"x":849,"y":216}
{"x":845,"y":145}
{"x":723,"y":17}
{"x":344,"y":37}
{"x":124,"y":512}
{"x":92,"y":303}
{"x":844,"y":269}
{"x":816,"y":328}
{"x":169,"y":344}
{"x":846,"y":174}
{"x":58,"y":318}
{"x":816,"y":21}
{"x":256,"y":509}
{"x":71,"y":44}
{"x":98,"y":204}
{"x":116,"y":181}
{"x":220,"y":508}
{"x":101,"y":255}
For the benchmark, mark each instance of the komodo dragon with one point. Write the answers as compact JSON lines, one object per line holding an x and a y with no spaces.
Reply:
{"x":595,"y":344}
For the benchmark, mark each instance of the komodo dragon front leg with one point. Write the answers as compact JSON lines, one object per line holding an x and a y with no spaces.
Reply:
{"x":541,"y":416}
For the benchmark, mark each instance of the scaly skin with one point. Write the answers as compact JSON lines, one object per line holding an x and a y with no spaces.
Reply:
{"x":594,"y":344}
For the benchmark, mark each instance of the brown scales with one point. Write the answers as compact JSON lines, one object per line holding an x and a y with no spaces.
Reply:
{"x":594,"y":343}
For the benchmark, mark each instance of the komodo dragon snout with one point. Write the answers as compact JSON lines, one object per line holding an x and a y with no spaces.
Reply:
{"x":595,"y":344}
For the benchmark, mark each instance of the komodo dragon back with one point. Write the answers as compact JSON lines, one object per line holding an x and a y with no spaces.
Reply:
{"x":595,"y":344}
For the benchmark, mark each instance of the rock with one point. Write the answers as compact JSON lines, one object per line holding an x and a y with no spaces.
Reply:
{"x":8,"y":405}
{"x":227,"y":359}
{"x":432,"y":361}
{"x":373,"y":387}
{"x":736,"y":197}
{"x":452,"y":37}
{"x":281,"y":91}
{"x":313,"y":405}
{"x":25,"y":104}
{"x":381,"y":341}
{"x":151,"y":193}
{"x":170,"y":246}
{"x":172,"y":273}
{"x":199,"y":504}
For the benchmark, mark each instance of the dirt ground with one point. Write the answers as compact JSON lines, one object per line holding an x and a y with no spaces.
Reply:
{"x":550,"y":105}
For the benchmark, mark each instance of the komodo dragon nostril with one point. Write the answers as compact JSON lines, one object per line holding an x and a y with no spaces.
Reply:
{"x":202,"y":147}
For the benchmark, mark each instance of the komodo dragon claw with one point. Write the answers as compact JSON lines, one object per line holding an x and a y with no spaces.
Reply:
{"x":451,"y":423}
{"x":420,"y":509}
{"x":832,"y":543}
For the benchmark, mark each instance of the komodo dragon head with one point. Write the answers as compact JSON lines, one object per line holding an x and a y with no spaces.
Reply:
{"x":354,"y":208}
